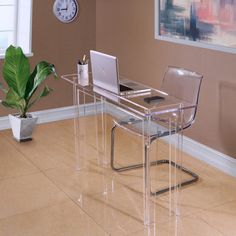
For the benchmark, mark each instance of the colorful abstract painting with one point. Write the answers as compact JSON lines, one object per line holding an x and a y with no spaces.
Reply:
{"x":211,"y":22}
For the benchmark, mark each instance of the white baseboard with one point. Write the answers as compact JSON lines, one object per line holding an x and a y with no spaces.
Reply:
{"x":56,"y":114}
{"x":51,"y":115}
{"x":197,"y":150}
{"x":209,"y":155}
{"x":45,"y":116}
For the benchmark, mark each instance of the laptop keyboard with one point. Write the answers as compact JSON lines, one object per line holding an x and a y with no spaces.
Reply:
{"x":124,"y":88}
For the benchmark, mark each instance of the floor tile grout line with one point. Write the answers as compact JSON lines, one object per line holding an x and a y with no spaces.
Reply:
{"x":42,"y":172}
{"x":219,"y":205}
{"x":36,"y":209}
{"x":23,"y":154}
{"x":19,"y":176}
{"x":211,"y":208}
{"x":77,"y":205}
{"x":98,"y":193}
{"x":24,"y":157}
{"x":212,"y":226}
{"x":60,"y":190}
{"x":27,"y":158}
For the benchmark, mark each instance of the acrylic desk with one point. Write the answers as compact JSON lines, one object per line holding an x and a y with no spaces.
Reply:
{"x":99,"y":104}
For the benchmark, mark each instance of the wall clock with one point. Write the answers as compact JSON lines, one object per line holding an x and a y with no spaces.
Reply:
{"x":65,"y":10}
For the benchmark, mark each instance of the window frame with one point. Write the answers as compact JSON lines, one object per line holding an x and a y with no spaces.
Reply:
{"x":17,"y":27}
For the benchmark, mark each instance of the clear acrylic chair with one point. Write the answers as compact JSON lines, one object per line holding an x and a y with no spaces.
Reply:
{"x":184,"y":85}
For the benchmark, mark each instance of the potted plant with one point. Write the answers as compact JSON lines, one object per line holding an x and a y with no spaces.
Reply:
{"x":22,"y":92}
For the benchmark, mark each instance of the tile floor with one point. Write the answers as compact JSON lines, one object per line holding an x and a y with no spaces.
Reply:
{"x":41,"y":193}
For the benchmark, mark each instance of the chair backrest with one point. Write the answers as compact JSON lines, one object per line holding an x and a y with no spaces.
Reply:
{"x":184,"y":85}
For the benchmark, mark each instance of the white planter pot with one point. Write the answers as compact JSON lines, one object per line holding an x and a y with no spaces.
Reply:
{"x":22,"y":128}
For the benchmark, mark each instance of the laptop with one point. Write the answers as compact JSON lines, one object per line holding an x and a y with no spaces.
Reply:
{"x":106,"y":76}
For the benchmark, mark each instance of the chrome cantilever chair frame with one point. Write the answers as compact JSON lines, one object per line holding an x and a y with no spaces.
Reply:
{"x":194,"y":176}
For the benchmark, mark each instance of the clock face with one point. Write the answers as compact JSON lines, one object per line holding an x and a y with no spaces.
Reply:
{"x":65,"y":10}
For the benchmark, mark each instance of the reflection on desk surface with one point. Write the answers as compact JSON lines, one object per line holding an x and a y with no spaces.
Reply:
{"x":152,"y":94}
{"x":106,"y":94}
{"x":139,"y":99}
{"x":135,"y":87}
{"x":133,"y":102}
{"x":157,"y":105}
{"x":153,"y":99}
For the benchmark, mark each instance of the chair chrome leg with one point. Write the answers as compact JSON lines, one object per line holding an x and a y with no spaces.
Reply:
{"x":194,"y":176}
{"x":125,"y":168}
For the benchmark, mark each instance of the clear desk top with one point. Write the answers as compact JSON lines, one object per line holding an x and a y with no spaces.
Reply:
{"x":135,"y":102}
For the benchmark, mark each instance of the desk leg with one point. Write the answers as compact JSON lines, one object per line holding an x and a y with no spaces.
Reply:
{"x":175,"y":165}
{"x":147,"y":181}
{"x":76,"y":125}
{"x":81,"y":123}
{"x":147,"y":190}
{"x":174,"y":144}
{"x":102,"y":130}
{"x":98,"y":122}
{"x":179,"y":172}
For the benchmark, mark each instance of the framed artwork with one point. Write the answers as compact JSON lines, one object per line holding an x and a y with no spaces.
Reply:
{"x":203,"y":23}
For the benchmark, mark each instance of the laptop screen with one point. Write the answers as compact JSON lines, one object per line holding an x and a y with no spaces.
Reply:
{"x":105,"y":71}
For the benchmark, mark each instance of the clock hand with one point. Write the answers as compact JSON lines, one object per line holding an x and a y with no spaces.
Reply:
{"x":65,"y":7}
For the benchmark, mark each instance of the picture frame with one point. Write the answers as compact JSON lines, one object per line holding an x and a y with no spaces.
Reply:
{"x":207,"y":24}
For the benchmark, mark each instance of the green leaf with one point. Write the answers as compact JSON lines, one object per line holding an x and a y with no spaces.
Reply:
{"x":16,"y":70}
{"x":30,"y":83}
{"x":5,"y":104}
{"x":13,"y":100}
{"x":23,"y":85}
{"x":43,"y":69}
{"x":43,"y":93}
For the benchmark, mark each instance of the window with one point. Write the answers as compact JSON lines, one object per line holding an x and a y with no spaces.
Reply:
{"x":15,"y":25}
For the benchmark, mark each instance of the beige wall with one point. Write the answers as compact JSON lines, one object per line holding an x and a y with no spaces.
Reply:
{"x":126,"y":29}
{"x":60,"y":44}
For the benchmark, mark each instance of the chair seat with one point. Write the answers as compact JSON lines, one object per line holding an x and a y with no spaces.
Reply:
{"x":152,"y":129}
